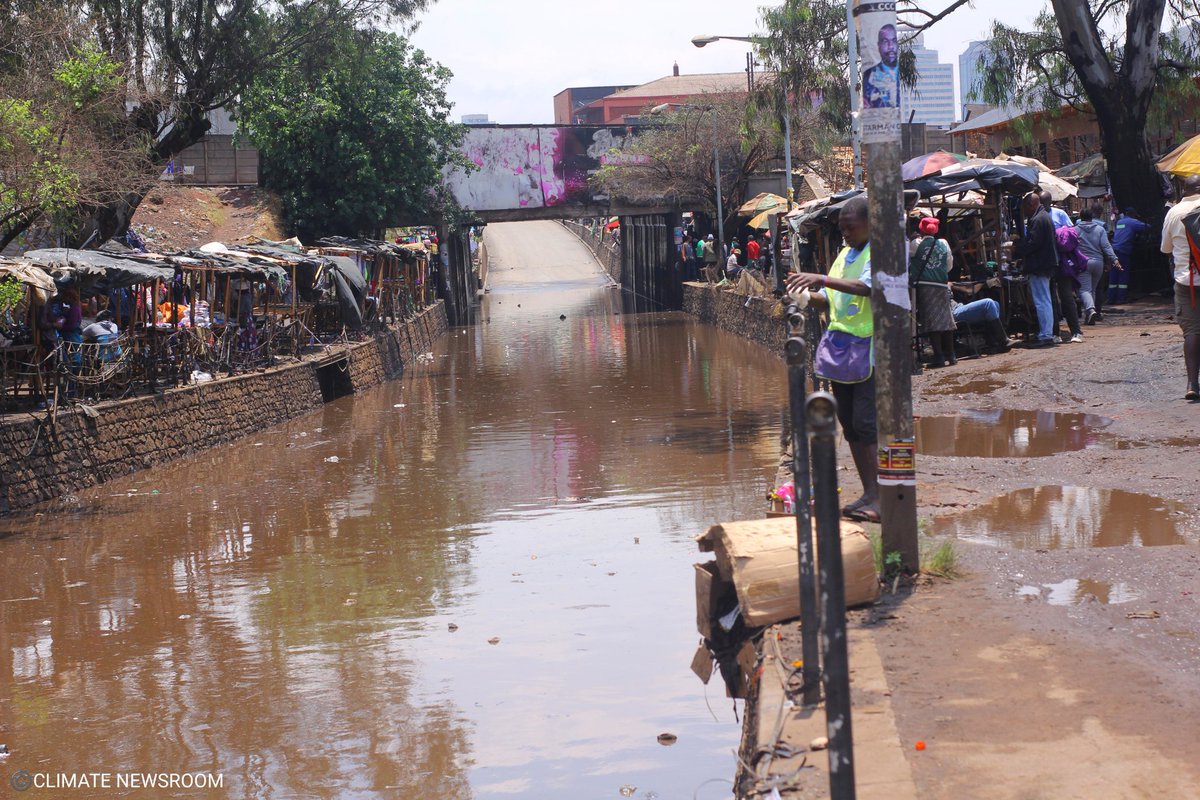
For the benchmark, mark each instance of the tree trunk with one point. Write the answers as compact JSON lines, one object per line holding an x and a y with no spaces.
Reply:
{"x":1131,"y":172}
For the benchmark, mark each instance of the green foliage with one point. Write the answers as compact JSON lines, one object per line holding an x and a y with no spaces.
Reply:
{"x":354,"y":138}
{"x":12,"y":291}
{"x":940,"y":560}
{"x":88,"y":75}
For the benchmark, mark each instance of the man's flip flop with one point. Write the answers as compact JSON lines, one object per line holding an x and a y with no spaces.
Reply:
{"x":847,"y":511}
{"x":864,"y":514}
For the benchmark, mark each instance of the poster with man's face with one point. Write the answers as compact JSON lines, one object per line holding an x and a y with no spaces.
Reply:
{"x":879,"y":49}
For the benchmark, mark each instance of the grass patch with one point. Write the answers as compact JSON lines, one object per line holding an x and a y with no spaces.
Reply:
{"x":938,"y":557}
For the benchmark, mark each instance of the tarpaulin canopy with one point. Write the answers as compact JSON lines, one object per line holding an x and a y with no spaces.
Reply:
{"x":823,"y":211}
{"x":117,"y":271}
{"x":34,"y":277}
{"x":977,"y":174}
{"x":351,"y":289}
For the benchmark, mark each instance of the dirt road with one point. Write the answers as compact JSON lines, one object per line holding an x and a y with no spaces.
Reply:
{"x":1066,"y":662}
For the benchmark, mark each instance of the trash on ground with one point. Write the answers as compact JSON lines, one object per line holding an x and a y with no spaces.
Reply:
{"x":1143,"y":615}
{"x":819,"y":743}
{"x":494,"y":640}
{"x":667,"y":739}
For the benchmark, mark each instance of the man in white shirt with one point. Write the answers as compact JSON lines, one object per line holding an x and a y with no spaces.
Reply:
{"x":1187,"y":307}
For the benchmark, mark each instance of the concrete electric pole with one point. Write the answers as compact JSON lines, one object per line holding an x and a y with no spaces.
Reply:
{"x":880,"y":126}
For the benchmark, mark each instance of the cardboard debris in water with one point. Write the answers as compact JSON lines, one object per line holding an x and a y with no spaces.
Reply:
{"x":759,"y":558}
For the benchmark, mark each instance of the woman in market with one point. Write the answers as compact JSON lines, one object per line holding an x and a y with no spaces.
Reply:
{"x":930,"y":272}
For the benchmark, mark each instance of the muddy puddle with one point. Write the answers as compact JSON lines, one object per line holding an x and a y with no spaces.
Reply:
{"x":1069,"y":517}
{"x":1079,"y":591}
{"x":1012,"y":433}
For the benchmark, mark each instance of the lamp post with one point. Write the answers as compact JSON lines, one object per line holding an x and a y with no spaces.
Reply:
{"x":716,"y":170}
{"x":706,"y":38}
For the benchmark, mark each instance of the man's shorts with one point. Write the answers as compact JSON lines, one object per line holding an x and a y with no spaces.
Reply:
{"x":1187,"y":316}
{"x":856,"y":410}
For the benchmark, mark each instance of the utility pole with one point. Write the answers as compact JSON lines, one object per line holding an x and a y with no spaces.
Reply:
{"x":855,"y":94}
{"x":720,"y":202}
{"x":880,"y":125}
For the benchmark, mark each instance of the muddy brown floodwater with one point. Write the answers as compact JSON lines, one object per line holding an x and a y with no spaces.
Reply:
{"x":310,"y":612}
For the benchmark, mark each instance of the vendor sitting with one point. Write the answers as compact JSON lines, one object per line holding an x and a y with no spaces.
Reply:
{"x":103,"y":331}
{"x":985,"y":312}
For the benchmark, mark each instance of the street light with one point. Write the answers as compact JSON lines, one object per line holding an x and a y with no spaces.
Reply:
{"x":716,"y":169}
{"x":707,"y":38}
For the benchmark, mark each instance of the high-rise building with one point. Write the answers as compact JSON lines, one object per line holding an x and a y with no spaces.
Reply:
{"x":971,"y":65}
{"x":933,"y":97}
{"x":476,"y":119}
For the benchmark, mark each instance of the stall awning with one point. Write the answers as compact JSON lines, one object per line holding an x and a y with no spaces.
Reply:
{"x":117,"y":271}
{"x":977,"y":174}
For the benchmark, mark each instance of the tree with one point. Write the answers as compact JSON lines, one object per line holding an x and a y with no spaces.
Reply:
{"x":181,"y":59}
{"x":354,"y":139}
{"x":806,"y":48}
{"x":673,"y":161}
{"x":64,"y":141}
{"x":1110,"y":58}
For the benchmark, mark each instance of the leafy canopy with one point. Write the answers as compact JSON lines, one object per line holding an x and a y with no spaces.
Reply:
{"x":354,"y":138}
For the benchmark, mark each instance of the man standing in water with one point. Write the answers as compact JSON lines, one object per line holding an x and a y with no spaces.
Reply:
{"x":846,"y":292}
{"x":1187,"y":307}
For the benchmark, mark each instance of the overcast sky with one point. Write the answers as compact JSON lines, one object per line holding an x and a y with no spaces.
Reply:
{"x":510,"y":57}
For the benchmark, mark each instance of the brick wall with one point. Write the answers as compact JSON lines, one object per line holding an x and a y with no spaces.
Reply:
{"x":729,"y":312}
{"x":39,"y":462}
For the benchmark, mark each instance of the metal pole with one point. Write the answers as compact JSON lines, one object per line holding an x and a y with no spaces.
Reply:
{"x":810,"y":616}
{"x":720,"y":202}
{"x":855,"y":91}
{"x":822,"y":420}
{"x":891,"y":308}
{"x":787,"y":169}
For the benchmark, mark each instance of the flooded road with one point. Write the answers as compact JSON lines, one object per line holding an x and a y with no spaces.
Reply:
{"x":471,"y":582}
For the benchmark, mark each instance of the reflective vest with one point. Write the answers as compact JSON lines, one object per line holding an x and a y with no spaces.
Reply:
{"x":850,"y":312}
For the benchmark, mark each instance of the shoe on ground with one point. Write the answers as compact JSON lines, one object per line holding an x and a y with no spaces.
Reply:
{"x":1044,"y":343}
{"x":1192,"y":394}
{"x":1065,"y":338}
{"x":1076,"y":339}
{"x":1092,"y":317}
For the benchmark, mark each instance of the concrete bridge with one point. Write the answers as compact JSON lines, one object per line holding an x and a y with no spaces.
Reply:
{"x":542,"y":172}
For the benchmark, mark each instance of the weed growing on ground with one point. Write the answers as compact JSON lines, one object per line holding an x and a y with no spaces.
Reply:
{"x":938,"y":558}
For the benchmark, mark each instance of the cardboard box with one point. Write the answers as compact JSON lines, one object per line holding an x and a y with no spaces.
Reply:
{"x":714,"y":596}
{"x":760,"y":558}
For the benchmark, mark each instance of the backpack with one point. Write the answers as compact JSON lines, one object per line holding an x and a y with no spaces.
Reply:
{"x":1191,"y":228}
{"x":1071,"y":262}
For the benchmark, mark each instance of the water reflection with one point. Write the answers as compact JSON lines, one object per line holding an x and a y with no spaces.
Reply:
{"x":1066,"y":517}
{"x":1010,"y":433}
{"x":282,"y":618}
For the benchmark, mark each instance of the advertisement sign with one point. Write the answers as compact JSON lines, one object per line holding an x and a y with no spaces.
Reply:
{"x":879,"y":47}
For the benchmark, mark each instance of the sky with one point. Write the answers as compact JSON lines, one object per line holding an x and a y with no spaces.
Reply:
{"x":510,"y":57}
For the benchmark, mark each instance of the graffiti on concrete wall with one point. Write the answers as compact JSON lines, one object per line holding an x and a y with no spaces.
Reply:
{"x":532,"y":167}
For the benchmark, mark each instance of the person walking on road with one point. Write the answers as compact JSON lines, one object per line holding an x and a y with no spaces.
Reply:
{"x":1187,"y":275}
{"x":1094,"y":244}
{"x":845,"y":353}
{"x":1125,"y":232}
{"x":1039,"y":249}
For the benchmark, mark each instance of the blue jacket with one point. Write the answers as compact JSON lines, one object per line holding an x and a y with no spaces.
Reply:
{"x":1126,"y":229}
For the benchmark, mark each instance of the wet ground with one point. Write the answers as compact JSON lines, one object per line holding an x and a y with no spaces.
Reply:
{"x":471,"y":582}
{"x":1065,"y":663}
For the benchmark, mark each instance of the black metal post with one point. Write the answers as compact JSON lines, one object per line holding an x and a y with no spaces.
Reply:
{"x":822,"y":421}
{"x":810,"y":613}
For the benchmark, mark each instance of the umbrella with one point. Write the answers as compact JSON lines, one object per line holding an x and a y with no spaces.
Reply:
{"x":764,"y":201}
{"x":977,"y":173}
{"x":1026,"y":160}
{"x":763,"y":220}
{"x":1183,"y":160}
{"x":928,"y":164}
{"x":1058,"y":188}
{"x":615,"y":222}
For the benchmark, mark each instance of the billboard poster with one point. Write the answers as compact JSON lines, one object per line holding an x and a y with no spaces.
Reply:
{"x":535,"y":167}
{"x":879,"y":48}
